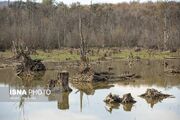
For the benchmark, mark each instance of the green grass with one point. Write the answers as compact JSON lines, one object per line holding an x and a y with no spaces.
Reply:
{"x":64,"y":55}
{"x":6,"y":54}
{"x":143,"y":54}
{"x":56,"y":55}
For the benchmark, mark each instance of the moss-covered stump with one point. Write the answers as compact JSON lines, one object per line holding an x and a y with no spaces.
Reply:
{"x":153,"y":96}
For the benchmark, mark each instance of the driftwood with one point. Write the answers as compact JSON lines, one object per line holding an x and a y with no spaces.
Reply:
{"x":153,"y":96}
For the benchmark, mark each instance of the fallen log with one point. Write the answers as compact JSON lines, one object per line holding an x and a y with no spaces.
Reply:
{"x":103,"y":76}
{"x":173,"y":70}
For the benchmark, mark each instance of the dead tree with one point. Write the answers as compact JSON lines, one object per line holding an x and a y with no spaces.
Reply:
{"x":27,"y":64}
{"x":82,"y":45}
{"x":165,"y":22}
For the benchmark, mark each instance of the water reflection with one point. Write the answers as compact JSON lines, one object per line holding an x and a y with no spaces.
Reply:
{"x":109,"y":106}
{"x":128,"y":106}
{"x":153,"y":101}
{"x":90,"y":88}
{"x":86,"y":100}
{"x":62,"y":99}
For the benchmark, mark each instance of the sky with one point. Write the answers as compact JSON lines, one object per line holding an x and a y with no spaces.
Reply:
{"x":97,"y":1}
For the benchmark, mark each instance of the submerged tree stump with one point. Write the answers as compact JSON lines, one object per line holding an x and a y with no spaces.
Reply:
{"x":153,"y":96}
{"x":153,"y":93}
{"x":64,"y":79}
{"x":113,"y":102}
{"x":127,"y":98}
{"x":112,"y":98}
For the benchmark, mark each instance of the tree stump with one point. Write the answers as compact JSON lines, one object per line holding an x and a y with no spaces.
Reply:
{"x":112,"y":98}
{"x":64,"y":79}
{"x":153,"y":96}
{"x":127,"y":98}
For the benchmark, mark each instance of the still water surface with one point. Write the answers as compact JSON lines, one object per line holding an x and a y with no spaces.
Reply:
{"x":87,"y":103}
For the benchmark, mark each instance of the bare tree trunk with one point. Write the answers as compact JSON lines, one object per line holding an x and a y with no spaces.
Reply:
{"x":166,"y":34}
{"x":82,"y":45}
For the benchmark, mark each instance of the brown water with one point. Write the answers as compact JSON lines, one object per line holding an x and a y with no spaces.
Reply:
{"x":85,"y":102}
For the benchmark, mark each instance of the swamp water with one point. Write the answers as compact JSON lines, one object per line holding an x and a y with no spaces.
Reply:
{"x":85,"y":102}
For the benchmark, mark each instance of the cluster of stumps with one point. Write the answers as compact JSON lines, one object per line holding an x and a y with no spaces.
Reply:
{"x":153,"y":94}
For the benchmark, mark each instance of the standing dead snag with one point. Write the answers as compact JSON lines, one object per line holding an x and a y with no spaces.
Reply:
{"x":83,"y":51}
{"x":82,"y":45}
{"x":64,"y":77}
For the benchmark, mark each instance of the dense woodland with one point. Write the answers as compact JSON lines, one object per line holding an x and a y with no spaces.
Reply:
{"x":50,"y":26}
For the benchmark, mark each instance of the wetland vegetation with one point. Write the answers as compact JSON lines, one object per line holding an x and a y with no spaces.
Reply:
{"x":126,"y":54}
